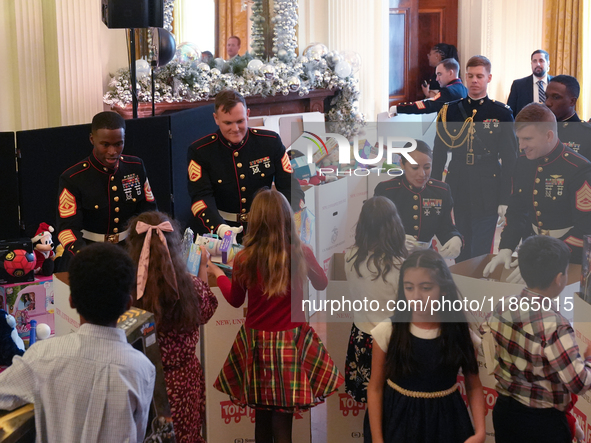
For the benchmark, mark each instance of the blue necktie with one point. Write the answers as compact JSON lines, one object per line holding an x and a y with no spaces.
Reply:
{"x":541,"y":92}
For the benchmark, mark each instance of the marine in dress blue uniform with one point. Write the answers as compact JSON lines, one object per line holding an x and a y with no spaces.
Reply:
{"x":479,"y":134}
{"x":95,"y":201}
{"x":424,"y":212}
{"x":453,"y":91}
{"x":551,"y":196}
{"x":225,"y":177}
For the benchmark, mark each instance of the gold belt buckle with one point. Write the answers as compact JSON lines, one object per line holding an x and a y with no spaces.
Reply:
{"x":470,"y":158}
{"x":243,"y":218}
{"x":113,"y":238}
{"x":543,"y":231}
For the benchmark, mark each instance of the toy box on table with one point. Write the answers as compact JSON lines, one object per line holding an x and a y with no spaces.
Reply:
{"x":29,"y":301}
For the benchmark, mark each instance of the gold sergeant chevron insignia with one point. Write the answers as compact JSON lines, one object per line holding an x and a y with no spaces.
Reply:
{"x":66,"y":237}
{"x":194,"y":171}
{"x":148,"y":191}
{"x":67,"y":204}
{"x":584,"y":198}
{"x":286,"y":163}
{"x":198,"y":206}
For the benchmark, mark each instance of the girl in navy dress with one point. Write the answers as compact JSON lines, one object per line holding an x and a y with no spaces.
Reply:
{"x":412,"y":393}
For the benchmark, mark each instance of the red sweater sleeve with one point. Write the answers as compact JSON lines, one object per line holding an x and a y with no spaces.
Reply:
{"x":232,"y":291}
{"x":315,"y":272}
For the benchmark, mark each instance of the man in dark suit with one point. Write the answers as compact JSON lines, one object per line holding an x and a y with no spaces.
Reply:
{"x":452,"y":89}
{"x":526,"y":90}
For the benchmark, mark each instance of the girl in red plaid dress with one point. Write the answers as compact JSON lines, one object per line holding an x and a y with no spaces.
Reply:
{"x":277,"y":363}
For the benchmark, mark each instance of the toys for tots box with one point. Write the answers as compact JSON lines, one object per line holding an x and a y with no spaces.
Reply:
{"x":29,"y":301}
{"x":224,"y":421}
{"x":484,"y":294}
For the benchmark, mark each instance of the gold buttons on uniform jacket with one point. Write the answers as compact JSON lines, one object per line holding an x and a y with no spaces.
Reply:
{"x":415,"y":207}
{"x":535,"y":203}
{"x":535,"y":192}
{"x":540,"y":224}
{"x":537,"y":180}
{"x":116,"y":199}
{"x":112,"y":178}
{"x":219,"y":181}
{"x":235,"y":153}
{"x":263,"y":174}
{"x":117,"y":209}
{"x":243,"y":189}
{"x":239,"y":165}
{"x":114,"y":188}
{"x":416,"y":197}
{"x":134,"y":199}
{"x":540,"y":169}
{"x":116,"y":220}
{"x":84,"y":164}
{"x":415,"y":217}
{"x":105,"y":169}
{"x":242,"y":176}
{"x":243,"y":200}
{"x":416,"y":228}
{"x":95,"y":206}
{"x":115,"y":230}
{"x":538,"y":213}
{"x":243,"y":210}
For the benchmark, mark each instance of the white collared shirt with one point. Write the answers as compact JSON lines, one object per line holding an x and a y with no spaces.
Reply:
{"x":88,"y":386}
{"x":544,"y":83}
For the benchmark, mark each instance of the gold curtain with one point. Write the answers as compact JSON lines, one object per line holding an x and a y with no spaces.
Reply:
{"x":231,"y":21}
{"x":563,"y":30}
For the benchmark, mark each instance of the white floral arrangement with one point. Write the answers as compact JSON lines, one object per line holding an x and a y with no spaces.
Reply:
{"x":189,"y":81}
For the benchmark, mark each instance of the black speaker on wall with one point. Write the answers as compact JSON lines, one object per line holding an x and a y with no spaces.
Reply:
{"x":133,"y":13}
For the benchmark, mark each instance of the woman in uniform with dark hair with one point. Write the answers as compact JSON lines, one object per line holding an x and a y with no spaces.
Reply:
{"x":424,"y":204}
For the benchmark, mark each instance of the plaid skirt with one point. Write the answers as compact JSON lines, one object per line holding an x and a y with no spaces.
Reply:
{"x":286,"y":371}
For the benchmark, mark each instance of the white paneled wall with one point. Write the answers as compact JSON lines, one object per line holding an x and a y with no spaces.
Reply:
{"x":79,"y":62}
{"x":30,"y":58}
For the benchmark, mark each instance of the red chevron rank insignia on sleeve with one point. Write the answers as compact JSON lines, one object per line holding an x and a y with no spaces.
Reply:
{"x":194,"y":171}
{"x":420,"y":105}
{"x":286,"y":163}
{"x":66,"y":237}
{"x":198,"y":206}
{"x":148,"y":191}
{"x":584,"y":198}
{"x":67,"y":204}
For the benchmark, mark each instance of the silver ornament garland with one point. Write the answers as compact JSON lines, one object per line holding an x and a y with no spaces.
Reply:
{"x":257,"y":43}
{"x":284,"y":21}
{"x":168,"y":9}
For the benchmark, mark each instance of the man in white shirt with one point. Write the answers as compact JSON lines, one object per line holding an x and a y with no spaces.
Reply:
{"x":89,"y":386}
{"x":531,"y":89}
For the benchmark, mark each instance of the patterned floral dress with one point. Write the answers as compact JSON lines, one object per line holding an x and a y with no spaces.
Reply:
{"x":185,"y":384}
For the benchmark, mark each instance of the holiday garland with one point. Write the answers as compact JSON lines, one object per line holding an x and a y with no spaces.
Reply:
{"x":193,"y":81}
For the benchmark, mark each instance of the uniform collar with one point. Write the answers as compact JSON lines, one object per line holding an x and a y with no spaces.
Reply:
{"x":573,"y":118}
{"x":552,"y":155}
{"x":101,"y":167}
{"x":476,"y":101}
{"x":230,"y":145}
{"x":457,"y":81}
{"x":413,"y":188}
